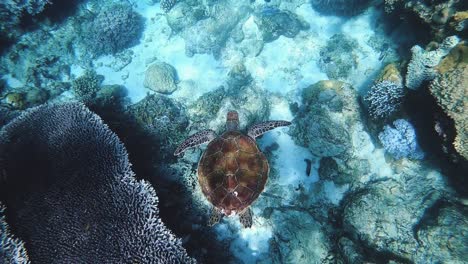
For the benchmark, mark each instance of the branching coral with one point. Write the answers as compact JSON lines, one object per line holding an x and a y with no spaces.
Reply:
{"x":71,"y":194}
{"x":423,"y":63}
{"x":400,"y":140}
{"x":114,"y":29}
{"x":11,"y":249}
{"x":384,"y":99}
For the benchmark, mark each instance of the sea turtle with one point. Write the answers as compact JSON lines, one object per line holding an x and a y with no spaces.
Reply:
{"x":232,"y":171}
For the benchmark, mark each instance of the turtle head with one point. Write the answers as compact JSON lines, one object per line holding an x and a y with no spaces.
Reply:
{"x":232,"y":121}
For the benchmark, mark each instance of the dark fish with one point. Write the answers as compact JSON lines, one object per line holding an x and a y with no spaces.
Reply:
{"x":309,"y":166}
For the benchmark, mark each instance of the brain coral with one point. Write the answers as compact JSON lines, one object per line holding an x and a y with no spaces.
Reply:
{"x":71,"y":195}
{"x":114,"y":29}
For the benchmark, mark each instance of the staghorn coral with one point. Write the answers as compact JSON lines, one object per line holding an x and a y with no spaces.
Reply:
{"x":11,"y":249}
{"x":114,"y":29}
{"x":422,"y":66}
{"x":384,"y":99}
{"x":400,"y":140}
{"x":77,"y":199}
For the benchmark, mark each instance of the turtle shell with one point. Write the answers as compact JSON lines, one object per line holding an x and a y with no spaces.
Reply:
{"x":232,"y":172}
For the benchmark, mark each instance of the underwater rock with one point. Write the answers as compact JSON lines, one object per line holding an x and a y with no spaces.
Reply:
{"x":115,"y":28}
{"x":161,"y":77}
{"x":69,"y":185}
{"x":329,"y":125}
{"x":11,"y":249}
{"x":450,"y":88}
{"x":385,"y":215}
{"x":340,"y":7}
{"x":36,"y":96}
{"x":337,"y":58}
{"x":250,"y":101}
{"x":210,"y":35}
{"x":274,"y":23}
{"x":184,"y":15}
{"x":422,"y":66}
{"x":384,"y":99}
{"x":330,"y":107}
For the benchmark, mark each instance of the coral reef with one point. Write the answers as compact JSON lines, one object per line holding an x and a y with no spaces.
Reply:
{"x":384,"y":99}
{"x":163,"y":118}
{"x":337,"y":58}
{"x":340,"y":7}
{"x":242,"y":95}
{"x":161,"y":77}
{"x":71,"y":194}
{"x":12,"y":11}
{"x":422,"y":66}
{"x":115,"y":28}
{"x":400,"y":140}
{"x":399,"y":218}
{"x":167,"y":5}
{"x":87,"y":85}
{"x":274,"y":23}
{"x":184,"y":15}
{"x":450,"y":88}
{"x":11,"y":249}
{"x":320,"y":125}
{"x":209,"y":35}
{"x":443,"y":18}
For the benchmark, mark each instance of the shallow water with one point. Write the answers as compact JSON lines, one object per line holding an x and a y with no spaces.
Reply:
{"x":371,"y":170}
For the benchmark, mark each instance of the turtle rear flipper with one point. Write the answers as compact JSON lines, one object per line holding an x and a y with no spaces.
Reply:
{"x":261,"y":128}
{"x":215,"y":217}
{"x":245,"y":218}
{"x":195,"y":140}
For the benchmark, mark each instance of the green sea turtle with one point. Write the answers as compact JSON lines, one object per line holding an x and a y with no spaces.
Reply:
{"x":232,"y":171}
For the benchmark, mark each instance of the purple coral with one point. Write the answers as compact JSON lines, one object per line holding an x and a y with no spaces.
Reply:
{"x":400,"y":140}
{"x":384,"y":99}
{"x":71,"y":195}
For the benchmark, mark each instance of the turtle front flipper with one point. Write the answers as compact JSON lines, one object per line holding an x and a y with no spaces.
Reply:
{"x":195,"y":140}
{"x":261,"y":128}
{"x":245,"y":218}
{"x":215,"y":217}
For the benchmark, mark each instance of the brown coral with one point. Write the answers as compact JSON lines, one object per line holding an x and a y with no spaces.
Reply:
{"x":450,"y":89}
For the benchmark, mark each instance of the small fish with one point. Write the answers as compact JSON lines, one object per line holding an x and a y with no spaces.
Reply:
{"x":309,"y":166}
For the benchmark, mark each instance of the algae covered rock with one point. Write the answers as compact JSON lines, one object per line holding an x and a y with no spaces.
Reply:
{"x":161,"y":77}
{"x":330,"y":107}
{"x":274,"y":23}
{"x":337,"y":57}
{"x":401,"y":217}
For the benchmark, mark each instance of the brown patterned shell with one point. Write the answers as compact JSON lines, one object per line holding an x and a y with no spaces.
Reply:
{"x":232,"y":172}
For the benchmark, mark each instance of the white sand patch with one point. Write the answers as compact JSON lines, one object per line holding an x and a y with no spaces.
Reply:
{"x":333,"y":192}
